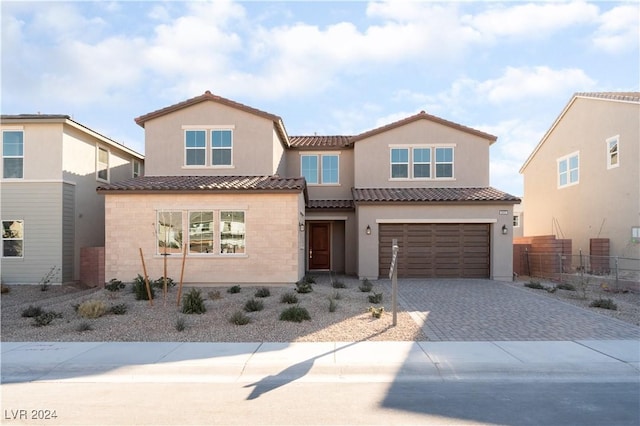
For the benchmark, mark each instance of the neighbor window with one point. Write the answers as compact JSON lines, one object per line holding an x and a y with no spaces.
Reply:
{"x":13,"y":154}
{"x":516,"y":221}
{"x":613,"y":154}
{"x":137,"y":168}
{"x":232,"y":232}
{"x":221,"y":146}
{"x":444,"y":163}
{"x":102,"y":165}
{"x":399,"y":163}
{"x":12,"y":238}
{"x":201,"y":232}
{"x":569,"y":170}
{"x":169,"y":232}
{"x":195,"y":147}
{"x":421,"y":162}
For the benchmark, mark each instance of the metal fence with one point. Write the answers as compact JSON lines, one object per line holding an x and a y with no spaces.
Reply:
{"x":613,"y":270}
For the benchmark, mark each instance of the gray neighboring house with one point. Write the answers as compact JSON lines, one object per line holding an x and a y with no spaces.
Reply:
{"x":582,"y":180}
{"x":49,"y":209}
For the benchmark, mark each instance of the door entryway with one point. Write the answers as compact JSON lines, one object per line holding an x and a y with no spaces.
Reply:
{"x":319,"y":254}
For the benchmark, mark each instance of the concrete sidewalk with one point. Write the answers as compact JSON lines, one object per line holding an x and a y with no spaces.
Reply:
{"x":139,"y":362}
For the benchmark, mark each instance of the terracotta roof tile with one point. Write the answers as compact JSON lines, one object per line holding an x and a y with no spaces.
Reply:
{"x":206,"y":183}
{"x":430,"y":195}
{"x":330,"y":204}
{"x":320,"y":142}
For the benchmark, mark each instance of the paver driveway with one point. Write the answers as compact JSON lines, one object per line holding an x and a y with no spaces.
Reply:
{"x":482,"y":310}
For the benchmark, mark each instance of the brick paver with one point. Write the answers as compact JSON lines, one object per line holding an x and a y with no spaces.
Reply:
{"x":483,"y":310}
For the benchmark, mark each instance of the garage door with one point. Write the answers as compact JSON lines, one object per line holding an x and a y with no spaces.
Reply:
{"x":436,"y":250}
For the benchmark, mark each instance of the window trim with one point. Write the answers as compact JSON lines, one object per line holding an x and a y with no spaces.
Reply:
{"x":608,"y":141}
{"x":432,"y":163}
{"x":187,"y":149}
{"x":12,"y":129}
{"x":3,"y":239}
{"x":212,"y":231}
{"x":567,"y":158}
{"x":208,"y":145}
{"x":392,"y":163}
{"x":319,"y":156}
{"x":435,"y":162}
{"x":98,"y":163}
{"x":158,"y":251}
{"x":213,"y":148}
{"x":516,"y":221}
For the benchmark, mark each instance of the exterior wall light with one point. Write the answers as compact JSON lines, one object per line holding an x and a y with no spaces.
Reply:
{"x":504,"y":230}
{"x":368,"y":230}
{"x":301,"y":226}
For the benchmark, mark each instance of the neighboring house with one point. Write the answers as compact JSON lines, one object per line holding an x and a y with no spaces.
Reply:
{"x":51,"y":166}
{"x":248,"y":203}
{"x":582,"y":180}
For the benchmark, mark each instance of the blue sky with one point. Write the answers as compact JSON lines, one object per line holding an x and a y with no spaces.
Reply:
{"x":507,"y":68}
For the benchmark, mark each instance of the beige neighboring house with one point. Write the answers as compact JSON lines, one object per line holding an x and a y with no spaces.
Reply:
{"x":247,"y":203}
{"x":49,"y":209}
{"x":582,"y":180}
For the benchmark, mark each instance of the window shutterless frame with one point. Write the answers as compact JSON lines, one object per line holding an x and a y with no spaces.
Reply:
{"x":613,"y":152}
{"x":12,"y":154}
{"x":102,"y":164}
{"x":13,"y":238}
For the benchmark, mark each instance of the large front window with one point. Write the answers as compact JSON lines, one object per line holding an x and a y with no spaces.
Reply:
{"x":12,"y":238}
{"x":569,"y":170}
{"x":13,"y":154}
{"x":232,"y":232}
{"x":169,"y":232}
{"x":201,"y":232}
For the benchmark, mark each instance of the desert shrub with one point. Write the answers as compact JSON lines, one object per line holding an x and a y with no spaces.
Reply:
{"x":566,"y":286}
{"x":119,"y":309}
{"x":303,"y":286}
{"x":333,"y":305}
{"x":239,"y":318}
{"x":375,"y":298}
{"x":114,"y":285}
{"x":263,"y":292}
{"x":193,"y":303}
{"x":376,"y":312}
{"x":48,"y":277}
{"x":234,"y":289}
{"x":159,"y":283}
{"x":535,"y":285}
{"x":289,"y":298}
{"x":45,"y":318}
{"x":140,"y":289}
{"x":295,"y":314}
{"x":84,"y":326}
{"x":32,"y":311}
{"x":214,"y":295}
{"x":181,"y":324}
{"x":5,"y":289}
{"x":338,"y":284}
{"x":253,"y":305}
{"x":336,"y":295}
{"x":309,"y":279}
{"x":365,"y":286}
{"x":92,"y":309}
{"x":604,"y":304}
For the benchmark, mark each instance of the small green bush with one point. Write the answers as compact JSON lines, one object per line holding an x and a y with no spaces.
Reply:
{"x":181,"y":324}
{"x":253,"y":305}
{"x":159,"y":283}
{"x":295,"y":314}
{"x":338,"y":284}
{"x":32,"y":311}
{"x":84,"y":326}
{"x":535,"y":285}
{"x":45,"y":318}
{"x":214,"y":295}
{"x":114,"y":285}
{"x":333,"y":305}
{"x":289,"y":298}
{"x":365,"y":286}
{"x":239,"y":318}
{"x":140,"y":289}
{"x":375,"y":298}
{"x":119,"y":309}
{"x":604,"y":304}
{"x":234,"y":289}
{"x":303,"y":287}
{"x":92,"y":309}
{"x":309,"y":279}
{"x":263,"y":292}
{"x":566,"y":286}
{"x":193,"y":303}
{"x":376,"y":312}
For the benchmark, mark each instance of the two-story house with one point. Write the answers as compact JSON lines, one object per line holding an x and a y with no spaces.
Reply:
{"x":230,"y":192}
{"x":582,"y":180}
{"x":51,"y":166}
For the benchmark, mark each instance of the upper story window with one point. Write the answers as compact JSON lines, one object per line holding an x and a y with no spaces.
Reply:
{"x":613,"y":152}
{"x":13,"y":154}
{"x":102,"y":164}
{"x":12,"y":238}
{"x":221,"y":147}
{"x":195,"y":148}
{"x":322,"y":169}
{"x":516,"y":221}
{"x":137,"y":168}
{"x":208,"y":146}
{"x":422,"y":162}
{"x":569,"y":170}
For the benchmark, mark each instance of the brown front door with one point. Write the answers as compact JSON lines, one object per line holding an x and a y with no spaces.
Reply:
{"x":319,"y":247}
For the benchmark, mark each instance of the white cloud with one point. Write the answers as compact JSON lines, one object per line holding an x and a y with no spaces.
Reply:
{"x":619,"y":29}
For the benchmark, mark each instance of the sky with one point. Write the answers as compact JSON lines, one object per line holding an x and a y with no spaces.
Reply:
{"x":326,"y":68}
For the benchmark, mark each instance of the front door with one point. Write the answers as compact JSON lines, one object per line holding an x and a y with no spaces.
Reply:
{"x":319,"y":246}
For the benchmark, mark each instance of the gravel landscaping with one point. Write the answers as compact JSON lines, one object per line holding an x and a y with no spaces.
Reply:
{"x":350,"y":321}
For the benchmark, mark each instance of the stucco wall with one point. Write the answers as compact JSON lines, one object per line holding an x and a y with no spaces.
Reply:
{"x":273,"y":238}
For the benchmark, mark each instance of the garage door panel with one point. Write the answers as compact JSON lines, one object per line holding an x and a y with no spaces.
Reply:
{"x":436,"y":250}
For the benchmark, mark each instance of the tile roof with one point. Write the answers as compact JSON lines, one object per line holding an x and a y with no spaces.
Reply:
{"x":35,"y":116}
{"x":424,"y":116}
{"x":320,"y":142}
{"x":206,"y":184}
{"x":361,"y":195}
{"x":617,"y":96}
{"x":330,"y":204}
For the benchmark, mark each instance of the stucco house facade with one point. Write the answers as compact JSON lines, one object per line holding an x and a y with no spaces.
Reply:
{"x":582,"y":180}
{"x":49,"y":208}
{"x":251,"y":204}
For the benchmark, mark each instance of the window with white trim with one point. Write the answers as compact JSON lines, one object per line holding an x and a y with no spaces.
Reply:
{"x":569,"y":170}
{"x":201,"y":227}
{"x":399,"y":163}
{"x":169,"y":232}
{"x":444,"y":162}
{"x":12,"y":238}
{"x":13,"y":154}
{"x":232,"y":232}
{"x":613,"y":152}
{"x":102,"y":164}
{"x":320,"y":169}
{"x":516,"y":221}
{"x":221,"y":147}
{"x":137,"y":168}
{"x":422,"y":162}
{"x":195,"y":146}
